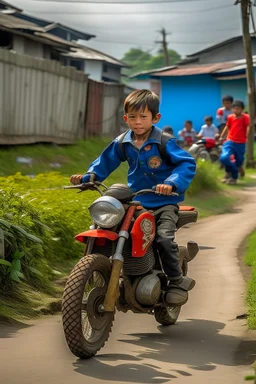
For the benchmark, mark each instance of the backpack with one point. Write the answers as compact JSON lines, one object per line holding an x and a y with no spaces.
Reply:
{"x":161,"y":147}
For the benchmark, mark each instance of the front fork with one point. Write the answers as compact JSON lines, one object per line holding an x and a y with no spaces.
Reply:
{"x":117,"y":263}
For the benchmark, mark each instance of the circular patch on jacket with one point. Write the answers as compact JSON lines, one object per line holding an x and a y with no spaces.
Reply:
{"x":147,"y":148}
{"x":154,"y":162}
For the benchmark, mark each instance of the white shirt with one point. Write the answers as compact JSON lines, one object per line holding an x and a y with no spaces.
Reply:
{"x":208,"y":132}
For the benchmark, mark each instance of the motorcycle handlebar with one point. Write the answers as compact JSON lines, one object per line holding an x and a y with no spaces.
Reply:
{"x":94,"y":186}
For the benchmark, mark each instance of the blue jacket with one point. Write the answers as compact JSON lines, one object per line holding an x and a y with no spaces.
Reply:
{"x":147,"y":168}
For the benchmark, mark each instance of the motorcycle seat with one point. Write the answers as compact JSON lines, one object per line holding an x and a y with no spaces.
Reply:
{"x":186,"y":215}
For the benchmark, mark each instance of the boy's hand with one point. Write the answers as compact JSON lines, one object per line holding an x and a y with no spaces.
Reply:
{"x":76,"y":179}
{"x":164,"y":189}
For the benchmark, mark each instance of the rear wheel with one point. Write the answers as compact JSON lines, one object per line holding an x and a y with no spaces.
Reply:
{"x":86,"y":327}
{"x":169,"y":315}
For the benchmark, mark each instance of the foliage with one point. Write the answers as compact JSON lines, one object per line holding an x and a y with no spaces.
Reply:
{"x":142,"y":60}
{"x":250,"y":259}
{"x":205,"y":179}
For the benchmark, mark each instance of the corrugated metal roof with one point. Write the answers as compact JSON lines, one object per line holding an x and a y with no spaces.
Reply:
{"x":85,"y":53}
{"x":214,"y":46}
{"x":12,"y":22}
{"x":56,"y":39}
{"x":4,"y":4}
{"x":152,"y":71}
{"x":195,"y":70}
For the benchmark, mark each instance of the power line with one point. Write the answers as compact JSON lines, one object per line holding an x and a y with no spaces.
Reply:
{"x":127,"y":13}
{"x":148,"y":43}
{"x":123,"y":2}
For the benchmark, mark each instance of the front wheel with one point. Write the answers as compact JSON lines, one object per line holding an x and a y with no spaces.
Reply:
{"x":85,"y":326}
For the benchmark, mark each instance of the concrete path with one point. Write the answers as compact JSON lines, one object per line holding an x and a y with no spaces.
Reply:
{"x":208,"y":345}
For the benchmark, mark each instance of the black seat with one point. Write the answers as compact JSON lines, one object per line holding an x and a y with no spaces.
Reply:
{"x":186,"y":217}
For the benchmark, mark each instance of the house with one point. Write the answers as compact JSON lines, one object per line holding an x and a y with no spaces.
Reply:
{"x":194,"y":91}
{"x":28,"y":38}
{"x":57,"y":29}
{"x":97,"y":65}
{"x":227,"y":50}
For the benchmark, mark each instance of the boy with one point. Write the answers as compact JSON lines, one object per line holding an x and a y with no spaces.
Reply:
{"x":224,"y":112}
{"x":187,"y":134}
{"x":208,"y":130}
{"x":147,"y":169}
{"x":238,"y":127}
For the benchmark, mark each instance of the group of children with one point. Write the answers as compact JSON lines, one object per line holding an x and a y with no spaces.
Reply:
{"x":233,"y":128}
{"x":188,"y":135}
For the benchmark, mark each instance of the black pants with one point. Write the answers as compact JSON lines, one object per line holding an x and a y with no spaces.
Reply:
{"x":166,"y":220}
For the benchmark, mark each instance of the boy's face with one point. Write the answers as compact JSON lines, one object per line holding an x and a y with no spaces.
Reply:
{"x":208,"y":122}
{"x":140,"y":122}
{"x":237,"y":111}
{"x":188,"y":127}
{"x":227,"y":104}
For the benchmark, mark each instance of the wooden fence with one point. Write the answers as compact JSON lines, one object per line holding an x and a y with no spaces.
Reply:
{"x":42,"y":101}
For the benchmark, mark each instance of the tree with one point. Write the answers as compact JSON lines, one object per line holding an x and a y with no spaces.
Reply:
{"x":159,"y":60}
{"x":140,"y":60}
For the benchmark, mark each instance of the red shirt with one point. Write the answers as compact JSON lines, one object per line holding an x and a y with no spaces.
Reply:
{"x":237,"y":127}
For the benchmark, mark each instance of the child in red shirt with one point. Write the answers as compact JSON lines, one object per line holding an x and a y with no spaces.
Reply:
{"x":238,"y":127}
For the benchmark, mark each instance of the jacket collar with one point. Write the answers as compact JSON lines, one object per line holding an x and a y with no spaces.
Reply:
{"x":155,"y":136}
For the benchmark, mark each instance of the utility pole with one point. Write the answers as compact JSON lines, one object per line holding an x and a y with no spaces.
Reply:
{"x":246,"y":9}
{"x":164,"y":45}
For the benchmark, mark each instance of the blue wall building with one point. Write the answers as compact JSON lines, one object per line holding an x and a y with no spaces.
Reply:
{"x":188,"y":98}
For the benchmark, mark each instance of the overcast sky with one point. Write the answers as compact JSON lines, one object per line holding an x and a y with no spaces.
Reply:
{"x":192,"y":24}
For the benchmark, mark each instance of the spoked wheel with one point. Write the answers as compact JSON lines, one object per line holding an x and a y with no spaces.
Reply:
{"x":203,"y":155}
{"x":169,"y":315}
{"x":86,"y":326}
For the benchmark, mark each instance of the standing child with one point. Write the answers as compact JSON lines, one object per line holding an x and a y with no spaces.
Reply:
{"x":147,"y":168}
{"x":208,"y":130}
{"x":223,"y":112}
{"x":238,"y":127}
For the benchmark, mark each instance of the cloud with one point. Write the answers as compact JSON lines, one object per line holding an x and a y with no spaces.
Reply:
{"x":192,"y":25}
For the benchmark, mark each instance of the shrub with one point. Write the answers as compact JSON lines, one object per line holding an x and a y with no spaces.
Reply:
{"x":206,"y":179}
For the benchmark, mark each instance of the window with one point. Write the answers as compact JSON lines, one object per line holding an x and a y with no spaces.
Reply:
{"x":6,"y":40}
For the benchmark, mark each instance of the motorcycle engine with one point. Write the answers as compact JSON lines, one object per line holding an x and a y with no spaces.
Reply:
{"x":148,"y":290}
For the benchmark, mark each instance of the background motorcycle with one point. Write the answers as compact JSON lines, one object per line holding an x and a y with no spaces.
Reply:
{"x":121,"y":269}
{"x":206,"y":149}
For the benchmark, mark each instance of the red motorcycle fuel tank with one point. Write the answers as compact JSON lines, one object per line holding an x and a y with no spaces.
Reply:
{"x":143,"y":233}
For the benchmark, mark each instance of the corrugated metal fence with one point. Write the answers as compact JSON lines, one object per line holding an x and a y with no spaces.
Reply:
{"x":42,"y":101}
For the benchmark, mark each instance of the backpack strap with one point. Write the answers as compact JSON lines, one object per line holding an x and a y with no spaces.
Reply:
{"x":121,"y":144}
{"x":161,"y":147}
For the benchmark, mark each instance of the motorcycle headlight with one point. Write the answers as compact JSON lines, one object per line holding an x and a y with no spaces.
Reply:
{"x":107,"y":211}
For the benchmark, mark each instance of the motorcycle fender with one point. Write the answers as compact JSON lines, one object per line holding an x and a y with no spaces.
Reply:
{"x":96,"y":233}
{"x":143,"y":233}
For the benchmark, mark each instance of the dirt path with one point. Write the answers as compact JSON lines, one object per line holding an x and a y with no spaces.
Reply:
{"x":208,"y":345}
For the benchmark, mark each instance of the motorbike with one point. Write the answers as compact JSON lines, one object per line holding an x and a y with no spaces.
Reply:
{"x":206,"y":149}
{"x":121,"y":268}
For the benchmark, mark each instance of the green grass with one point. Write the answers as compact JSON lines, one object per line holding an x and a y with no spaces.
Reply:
{"x":250,"y":260}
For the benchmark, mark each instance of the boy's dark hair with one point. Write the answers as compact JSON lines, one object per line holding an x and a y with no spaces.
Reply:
{"x":188,"y":122}
{"x":238,"y":103}
{"x":208,"y":118}
{"x":141,"y":99}
{"x":168,"y":129}
{"x":228,"y":98}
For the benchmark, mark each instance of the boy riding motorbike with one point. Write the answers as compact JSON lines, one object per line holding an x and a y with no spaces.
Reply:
{"x":148,"y":168}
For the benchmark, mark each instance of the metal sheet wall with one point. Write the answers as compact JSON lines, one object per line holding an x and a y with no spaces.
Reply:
{"x":40,"y":100}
